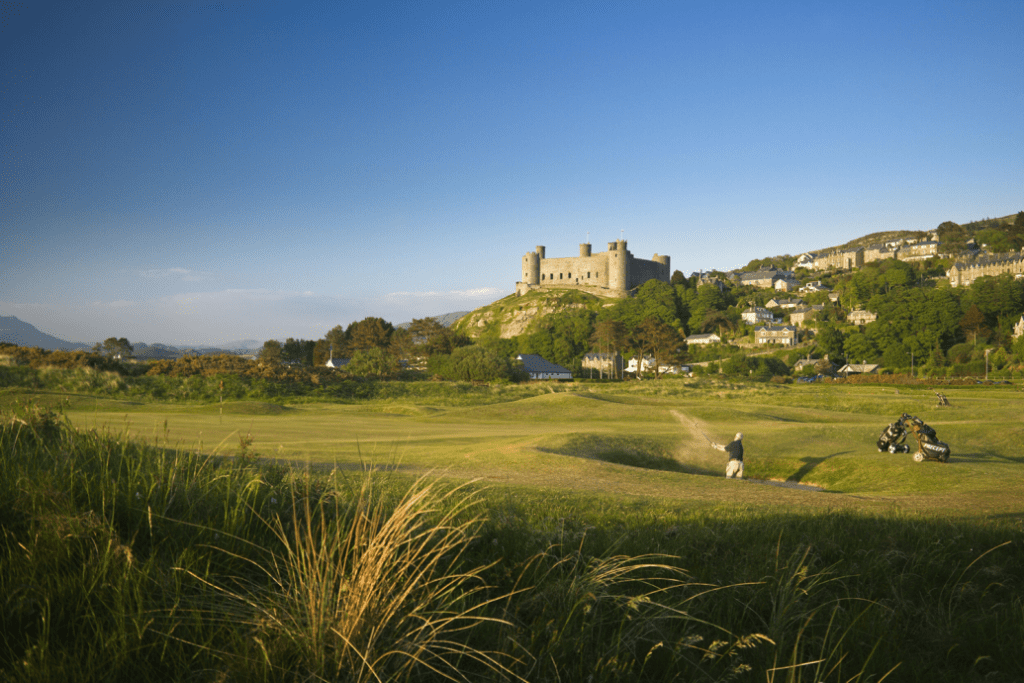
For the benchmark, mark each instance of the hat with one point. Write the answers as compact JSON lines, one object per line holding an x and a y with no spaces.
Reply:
{"x":739,"y":436}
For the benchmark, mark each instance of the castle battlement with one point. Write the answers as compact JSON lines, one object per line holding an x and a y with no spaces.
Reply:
{"x":611,"y":273}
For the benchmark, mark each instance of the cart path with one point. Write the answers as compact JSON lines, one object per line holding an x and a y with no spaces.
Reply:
{"x":709,"y":459}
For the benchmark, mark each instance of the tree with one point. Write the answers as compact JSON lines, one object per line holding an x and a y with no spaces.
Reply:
{"x":425,"y":330}
{"x":368,"y":333}
{"x":298,"y":351}
{"x":830,"y":340}
{"x":271,"y":352}
{"x":402,"y":345}
{"x":659,"y":339}
{"x":609,"y":337}
{"x":335,"y":343}
{"x":709,"y":298}
{"x":973,"y":323}
{"x":373,"y":362}
{"x":116,"y":348}
{"x":476,"y":364}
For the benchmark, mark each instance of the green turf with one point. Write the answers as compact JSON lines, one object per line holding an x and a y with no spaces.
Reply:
{"x":628,"y":440}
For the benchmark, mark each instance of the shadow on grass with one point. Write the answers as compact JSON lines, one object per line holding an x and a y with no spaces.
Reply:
{"x":985,"y":457}
{"x":810,"y":464}
{"x":632,"y":451}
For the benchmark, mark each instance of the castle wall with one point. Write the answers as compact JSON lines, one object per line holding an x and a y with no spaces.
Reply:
{"x":641,"y":270}
{"x":575,"y":270}
{"x":614,"y":272}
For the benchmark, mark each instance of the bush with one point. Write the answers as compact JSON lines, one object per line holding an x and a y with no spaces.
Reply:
{"x":475,"y":364}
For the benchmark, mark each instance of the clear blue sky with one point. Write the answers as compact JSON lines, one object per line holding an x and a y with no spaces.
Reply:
{"x":202,"y":172}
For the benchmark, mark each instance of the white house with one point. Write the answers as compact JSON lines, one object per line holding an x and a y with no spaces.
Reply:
{"x":648,"y":366}
{"x":858,"y":369}
{"x":815,"y":286}
{"x":711,"y":338}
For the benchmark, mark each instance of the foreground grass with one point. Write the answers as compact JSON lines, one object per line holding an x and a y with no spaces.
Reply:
{"x":123,"y":560}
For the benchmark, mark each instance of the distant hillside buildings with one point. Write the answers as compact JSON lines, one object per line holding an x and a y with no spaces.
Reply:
{"x":963,"y":273}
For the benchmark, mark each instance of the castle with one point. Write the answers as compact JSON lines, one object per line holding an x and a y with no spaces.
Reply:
{"x":612,"y":273}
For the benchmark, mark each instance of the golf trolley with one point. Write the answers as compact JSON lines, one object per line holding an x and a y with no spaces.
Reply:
{"x":928,"y":445}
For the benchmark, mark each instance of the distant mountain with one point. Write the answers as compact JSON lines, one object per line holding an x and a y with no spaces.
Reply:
{"x":241,"y":345}
{"x":15,"y":331}
{"x":446,"y":319}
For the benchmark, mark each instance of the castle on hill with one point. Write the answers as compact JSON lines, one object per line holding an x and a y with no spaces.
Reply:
{"x":612,"y":273}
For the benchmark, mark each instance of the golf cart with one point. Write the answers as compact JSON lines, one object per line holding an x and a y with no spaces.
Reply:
{"x":928,"y":445}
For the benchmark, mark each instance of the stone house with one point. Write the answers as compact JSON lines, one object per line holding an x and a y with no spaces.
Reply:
{"x":861,"y":317}
{"x":1018,"y":329}
{"x":801,"y":315}
{"x":764,"y":278}
{"x":840,"y":259}
{"x":784,"y":335}
{"x":787,"y":284}
{"x":607,"y":363}
{"x":784,"y":303}
{"x":757,"y":314}
{"x":965,"y":273}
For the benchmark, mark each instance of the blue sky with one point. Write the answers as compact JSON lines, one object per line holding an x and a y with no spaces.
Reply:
{"x":203,"y":172}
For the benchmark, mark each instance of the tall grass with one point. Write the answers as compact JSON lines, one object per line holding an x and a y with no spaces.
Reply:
{"x":362,"y":590}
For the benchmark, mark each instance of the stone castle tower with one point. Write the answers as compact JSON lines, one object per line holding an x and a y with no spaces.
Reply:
{"x":611,"y":273}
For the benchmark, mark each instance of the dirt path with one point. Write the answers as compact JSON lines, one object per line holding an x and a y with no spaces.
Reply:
{"x":706,"y":460}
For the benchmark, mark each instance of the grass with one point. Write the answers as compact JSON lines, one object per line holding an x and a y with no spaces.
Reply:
{"x":587,"y":545}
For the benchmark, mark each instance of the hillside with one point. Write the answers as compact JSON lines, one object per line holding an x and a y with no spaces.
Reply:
{"x":511,"y":316}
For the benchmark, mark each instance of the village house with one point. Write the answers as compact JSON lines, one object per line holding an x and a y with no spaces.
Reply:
{"x":757,"y":314}
{"x":708,"y":279}
{"x":861,"y":317}
{"x":1018,"y":329}
{"x":771,"y":334}
{"x":647,"y":365}
{"x":801,"y":315}
{"x":840,"y":259}
{"x":787,"y":284}
{"x":605,"y":363}
{"x":764,"y":278}
{"x":815,"y":286}
{"x":858,"y":369}
{"x":703,"y":339}
{"x":538,"y":368}
{"x":918,"y":251}
{"x":965,"y":273}
{"x":805,"y":260}
{"x":784,"y":303}
{"x":878,"y":252}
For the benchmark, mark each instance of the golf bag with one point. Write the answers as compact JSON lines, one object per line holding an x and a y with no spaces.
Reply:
{"x":892,"y":439}
{"x":928,"y":445}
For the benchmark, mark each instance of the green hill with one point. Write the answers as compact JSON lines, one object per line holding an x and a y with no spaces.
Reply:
{"x":513,"y":315}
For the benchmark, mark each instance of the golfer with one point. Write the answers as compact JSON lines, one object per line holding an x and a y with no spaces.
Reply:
{"x":735,"y":451}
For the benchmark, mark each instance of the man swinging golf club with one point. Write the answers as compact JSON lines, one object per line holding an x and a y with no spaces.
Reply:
{"x":735,"y":451}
